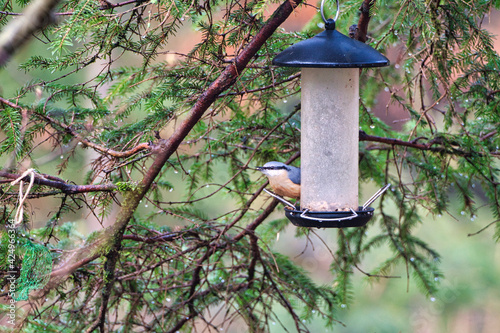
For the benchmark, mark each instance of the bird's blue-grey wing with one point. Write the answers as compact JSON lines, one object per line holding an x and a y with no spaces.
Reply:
{"x":294,"y":175}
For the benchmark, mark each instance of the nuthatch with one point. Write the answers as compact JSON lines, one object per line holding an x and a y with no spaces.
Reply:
{"x":284,"y":179}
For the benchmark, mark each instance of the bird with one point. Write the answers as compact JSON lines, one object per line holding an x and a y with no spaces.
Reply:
{"x":283,"y":179}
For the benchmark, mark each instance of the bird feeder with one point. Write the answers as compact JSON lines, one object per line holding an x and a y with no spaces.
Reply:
{"x":330,"y":63}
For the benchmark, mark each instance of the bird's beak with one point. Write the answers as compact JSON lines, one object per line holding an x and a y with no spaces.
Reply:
{"x":259,"y":168}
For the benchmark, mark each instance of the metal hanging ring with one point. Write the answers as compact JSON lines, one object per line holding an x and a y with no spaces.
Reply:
{"x":323,"y":11}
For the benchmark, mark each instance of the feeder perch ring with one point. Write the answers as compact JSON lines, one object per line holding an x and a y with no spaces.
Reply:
{"x":336,"y":219}
{"x":305,"y":216}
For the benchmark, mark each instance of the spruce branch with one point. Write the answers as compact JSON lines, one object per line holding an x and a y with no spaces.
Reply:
{"x":111,"y":238}
{"x":86,"y":143}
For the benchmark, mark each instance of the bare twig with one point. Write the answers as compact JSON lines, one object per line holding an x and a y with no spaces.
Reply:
{"x":36,"y":16}
{"x":63,"y":186}
{"x":364,"y":18}
{"x":434,"y":145}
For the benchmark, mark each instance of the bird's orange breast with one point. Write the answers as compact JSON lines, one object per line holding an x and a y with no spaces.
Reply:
{"x":284,"y":187}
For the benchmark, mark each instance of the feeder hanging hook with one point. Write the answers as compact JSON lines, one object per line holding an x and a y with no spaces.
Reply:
{"x":322,"y":11}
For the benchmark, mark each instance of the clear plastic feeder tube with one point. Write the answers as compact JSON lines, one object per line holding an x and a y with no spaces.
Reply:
{"x":329,"y":139}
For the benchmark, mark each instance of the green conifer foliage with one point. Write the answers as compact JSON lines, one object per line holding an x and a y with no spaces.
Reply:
{"x":174,"y":137}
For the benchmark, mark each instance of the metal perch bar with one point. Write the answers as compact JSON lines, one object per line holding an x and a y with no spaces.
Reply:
{"x":375,"y":196}
{"x":286,"y":202}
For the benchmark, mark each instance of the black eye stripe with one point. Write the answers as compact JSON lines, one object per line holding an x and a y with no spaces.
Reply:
{"x":275,"y":168}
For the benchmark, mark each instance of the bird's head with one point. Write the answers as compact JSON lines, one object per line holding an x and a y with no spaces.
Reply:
{"x":273,"y":169}
{"x":284,"y":179}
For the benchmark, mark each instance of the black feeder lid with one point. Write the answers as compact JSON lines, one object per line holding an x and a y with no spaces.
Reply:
{"x":330,"y":49}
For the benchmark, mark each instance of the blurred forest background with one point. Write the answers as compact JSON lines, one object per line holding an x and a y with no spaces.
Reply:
{"x":467,"y":293}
